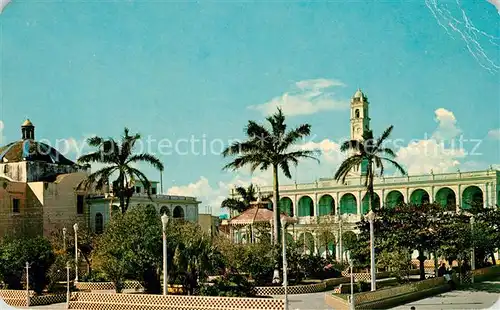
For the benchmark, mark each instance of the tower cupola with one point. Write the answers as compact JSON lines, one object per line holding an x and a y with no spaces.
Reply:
{"x":28,"y":130}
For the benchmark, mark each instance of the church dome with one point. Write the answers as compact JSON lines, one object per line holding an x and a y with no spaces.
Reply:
{"x":27,"y":149}
{"x":30,"y":150}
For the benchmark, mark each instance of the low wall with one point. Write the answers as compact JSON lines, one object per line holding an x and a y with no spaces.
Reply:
{"x":169,"y":302}
{"x":293,"y":289}
{"x":366,"y":277}
{"x":17,"y":298}
{"x":386,"y":298}
{"x":486,"y":273}
{"x":107,"y":286}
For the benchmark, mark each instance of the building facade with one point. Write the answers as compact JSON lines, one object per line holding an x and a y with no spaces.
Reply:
{"x":102,"y":207}
{"x":328,"y":203}
{"x":37,"y":187}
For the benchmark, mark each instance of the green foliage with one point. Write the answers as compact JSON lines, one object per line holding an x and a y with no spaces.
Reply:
{"x":230,"y":285}
{"x":14,"y":253}
{"x":246,"y":196}
{"x":398,"y":262}
{"x":57,"y":272}
{"x":131,"y":246}
{"x":94,"y":276}
{"x":194,"y":256}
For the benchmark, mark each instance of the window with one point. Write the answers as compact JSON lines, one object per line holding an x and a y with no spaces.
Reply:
{"x":16,"y":203}
{"x":357,"y":113}
{"x":79,"y":204}
{"x":99,"y":223}
{"x":153,"y":190}
{"x":138,"y":189}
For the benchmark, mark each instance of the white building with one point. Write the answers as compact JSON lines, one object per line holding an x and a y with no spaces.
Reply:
{"x":101,"y":207}
{"x":339,"y":206}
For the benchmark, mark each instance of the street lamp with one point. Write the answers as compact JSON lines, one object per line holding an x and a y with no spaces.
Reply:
{"x":349,"y":259}
{"x":285,"y":265}
{"x":75,"y":228}
{"x":473,"y":253}
{"x":371,"y":217}
{"x":64,"y":239}
{"x":164,"y":221}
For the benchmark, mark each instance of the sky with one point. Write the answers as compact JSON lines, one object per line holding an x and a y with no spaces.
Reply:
{"x":189,"y":75}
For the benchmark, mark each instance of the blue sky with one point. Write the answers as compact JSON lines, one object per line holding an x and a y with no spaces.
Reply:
{"x":172,"y":70}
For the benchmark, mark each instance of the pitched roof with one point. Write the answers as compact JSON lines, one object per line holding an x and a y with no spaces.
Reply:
{"x":258,"y":215}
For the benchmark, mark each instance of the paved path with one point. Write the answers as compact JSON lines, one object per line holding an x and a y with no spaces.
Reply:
{"x":481,"y":296}
{"x":313,"y":301}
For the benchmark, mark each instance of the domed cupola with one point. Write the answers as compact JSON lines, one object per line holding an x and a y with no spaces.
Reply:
{"x":28,"y":130}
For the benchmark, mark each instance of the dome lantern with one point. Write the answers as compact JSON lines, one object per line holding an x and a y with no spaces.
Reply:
{"x":28,"y":130}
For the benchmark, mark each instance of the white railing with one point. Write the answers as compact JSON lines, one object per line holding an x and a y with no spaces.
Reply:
{"x":325,"y":182}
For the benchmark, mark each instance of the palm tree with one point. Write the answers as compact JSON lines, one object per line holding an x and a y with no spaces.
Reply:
{"x":373,"y":154}
{"x":246,"y":197}
{"x":270,"y":147}
{"x":119,"y":160}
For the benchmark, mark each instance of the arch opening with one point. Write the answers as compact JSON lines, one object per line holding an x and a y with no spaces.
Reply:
{"x":348,"y":204}
{"x":419,"y":197}
{"x":472,"y":196}
{"x":326,"y":205}
{"x":394,"y":199}
{"x":366,"y":202}
{"x":306,"y":206}
{"x":286,"y":206}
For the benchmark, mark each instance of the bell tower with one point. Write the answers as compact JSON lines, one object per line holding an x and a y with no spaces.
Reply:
{"x":360,"y":122}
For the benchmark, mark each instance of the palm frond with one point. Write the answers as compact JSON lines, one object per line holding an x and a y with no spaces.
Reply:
{"x":351,"y":145}
{"x":347,"y":165}
{"x":294,"y":136}
{"x":395,"y":164}
{"x":388,"y":152}
{"x":147,"y":158}
{"x":384,"y":135}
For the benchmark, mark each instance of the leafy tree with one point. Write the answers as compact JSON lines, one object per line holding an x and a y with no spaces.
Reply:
{"x":119,"y":160}
{"x":194,"y":257}
{"x":370,"y":152}
{"x":270,"y":147}
{"x":246,"y":196}
{"x":486,"y":233}
{"x":132,"y":246}
{"x":14,"y":253}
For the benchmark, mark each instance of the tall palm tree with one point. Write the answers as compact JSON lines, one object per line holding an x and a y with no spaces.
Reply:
{"x":246,"y":197}
{"x":373,"y":154}
{"x":119,"y":160}
{"x":270,"y":147}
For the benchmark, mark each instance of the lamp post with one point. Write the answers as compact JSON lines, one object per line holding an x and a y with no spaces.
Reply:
{"x":67,"y":285}
{"x":75,"y":228}
{"x":349,"y":259}
{"x":64,"y":239}
{"x":285,"y":265}
{"x":341,"y":250}
{"x":371,"y":217}
{"x":164,"y":221}
{"x":473,"y":252}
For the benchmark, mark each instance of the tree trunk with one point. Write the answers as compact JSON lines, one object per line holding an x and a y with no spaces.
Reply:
{"x":276,"y":210}
{"x":421,"y":259}
{"x":493,"y":258}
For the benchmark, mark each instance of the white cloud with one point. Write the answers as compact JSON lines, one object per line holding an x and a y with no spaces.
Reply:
{"x":307,"y":97}
{"x":447,"y":125}
{"x":3,"y":4}
{"x":440,"y":153}
{"x":494,"y":134}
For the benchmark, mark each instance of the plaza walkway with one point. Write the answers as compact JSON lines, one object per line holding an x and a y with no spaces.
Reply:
{"x":481,"y":296}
